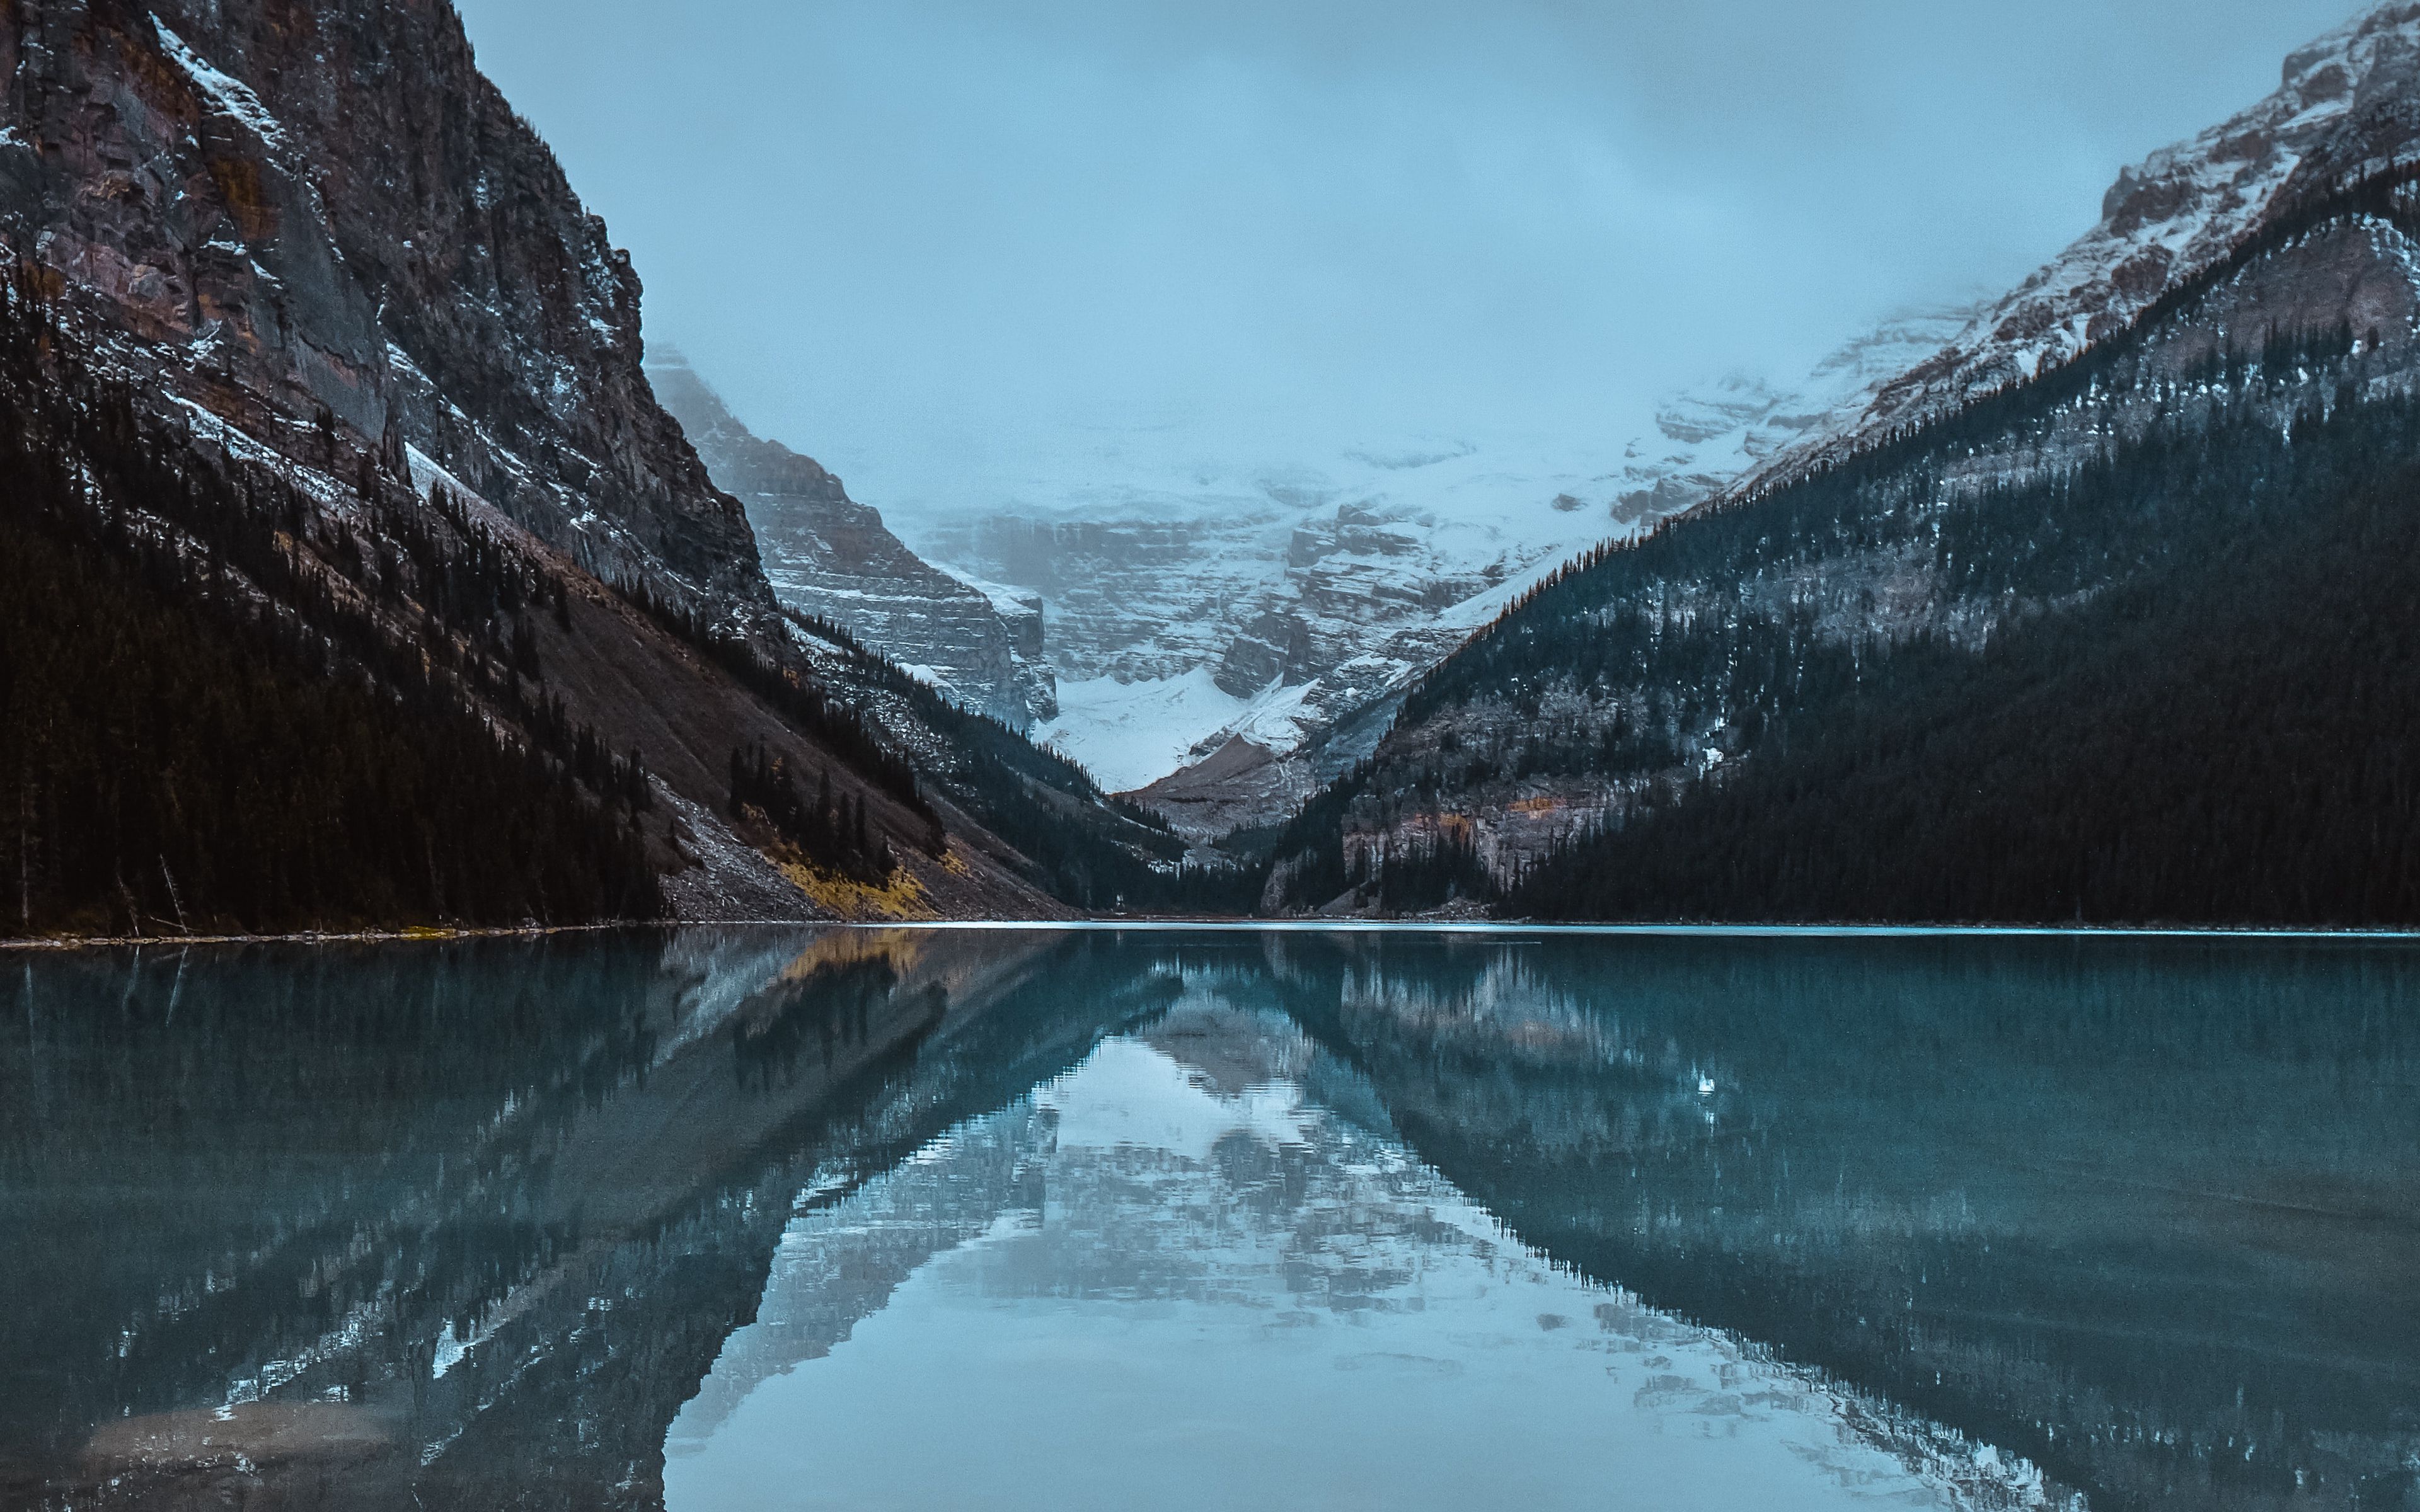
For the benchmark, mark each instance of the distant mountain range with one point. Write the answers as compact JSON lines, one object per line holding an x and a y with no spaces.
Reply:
{"x":1225,"y":636}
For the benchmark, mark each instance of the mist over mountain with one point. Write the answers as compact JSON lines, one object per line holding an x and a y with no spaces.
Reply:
{"x":314,"y":357}
{"x":1107,"y":304}
{"x":989,"y":236}
{"x":2100,"y":614}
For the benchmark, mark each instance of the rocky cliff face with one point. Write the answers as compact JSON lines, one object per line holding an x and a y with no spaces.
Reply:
{"x":320,"y":222}
{"x":831,"y":557}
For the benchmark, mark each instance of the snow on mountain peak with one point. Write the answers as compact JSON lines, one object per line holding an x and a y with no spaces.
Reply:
{"x":1709,"y":437}
{"x":2345,"y":106}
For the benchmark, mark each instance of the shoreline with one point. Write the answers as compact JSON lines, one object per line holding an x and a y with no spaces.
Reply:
{"x":427,"y":936}
{"x":1456,"y":926}
{"x":2296,"y":933}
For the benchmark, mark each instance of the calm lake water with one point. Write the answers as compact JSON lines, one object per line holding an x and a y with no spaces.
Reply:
{"x":762,"y":1219}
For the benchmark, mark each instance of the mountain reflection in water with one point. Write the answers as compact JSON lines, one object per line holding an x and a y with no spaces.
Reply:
{"x":772,"y":1218}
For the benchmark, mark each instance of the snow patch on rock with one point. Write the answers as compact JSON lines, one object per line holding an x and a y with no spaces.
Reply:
{"x":231,"y":95}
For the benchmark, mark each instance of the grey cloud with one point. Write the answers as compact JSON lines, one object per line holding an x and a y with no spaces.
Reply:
{"x":906,"y":235}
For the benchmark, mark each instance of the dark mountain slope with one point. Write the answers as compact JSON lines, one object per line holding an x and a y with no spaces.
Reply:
{"x":1656,"y":673}
{"x":303,"y":257}
{"x":182,"y":765}
{"x":2235,"y":739}
{"x":235,"y":703}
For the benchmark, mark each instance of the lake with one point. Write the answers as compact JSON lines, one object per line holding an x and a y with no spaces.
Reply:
{"x":762,"y":1218}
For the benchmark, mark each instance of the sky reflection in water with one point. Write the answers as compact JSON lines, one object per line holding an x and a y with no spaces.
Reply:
{"x":792,"y":1219}
{"x":1174,"y":1268}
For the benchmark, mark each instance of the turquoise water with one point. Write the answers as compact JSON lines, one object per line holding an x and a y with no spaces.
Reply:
{"x":1214,"y":1218}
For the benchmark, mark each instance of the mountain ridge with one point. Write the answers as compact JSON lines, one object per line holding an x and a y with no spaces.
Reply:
{"x":1647,"y":680}
{"x":308,"y":252}
{"x":831,"y":557}
{"x":2346,"y":107}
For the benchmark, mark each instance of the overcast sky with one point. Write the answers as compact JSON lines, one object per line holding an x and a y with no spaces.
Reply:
{"x":911,"y":236}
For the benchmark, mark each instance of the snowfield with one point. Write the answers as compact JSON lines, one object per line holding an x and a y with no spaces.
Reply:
{"x":1190,"y":597}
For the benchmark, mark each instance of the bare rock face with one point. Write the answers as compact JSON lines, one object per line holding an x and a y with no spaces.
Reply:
{"x":1273,"y":620}
{"x":1240,"y":784}
{"x":318,"y":221}
{"x":830,"y":556}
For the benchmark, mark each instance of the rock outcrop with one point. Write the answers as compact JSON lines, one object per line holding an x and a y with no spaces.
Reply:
{"x":831,"y":557}
{"x":321,"y":221}
{"x":323,"y":254}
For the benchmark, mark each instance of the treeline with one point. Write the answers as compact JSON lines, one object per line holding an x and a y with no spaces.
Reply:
{"x":1087,"y":848}
{"x":796,"y":697}
{"x":1431,"y":871}
{"x":830,"y":833}
{"x":201,"y":729}
{"x":2230,"y":736}
{"x":470,"y":598}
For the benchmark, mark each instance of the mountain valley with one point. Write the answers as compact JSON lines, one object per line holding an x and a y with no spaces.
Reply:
{"x":380,"y":418}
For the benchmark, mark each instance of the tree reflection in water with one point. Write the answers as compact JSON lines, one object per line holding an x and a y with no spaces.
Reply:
{"x":484,"y":1222}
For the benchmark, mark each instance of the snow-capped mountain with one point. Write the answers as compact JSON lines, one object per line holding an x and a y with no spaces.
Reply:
{"x":2346,"y":109}
{"x":1193,"y":605}
{"x":2257,"y":287}
{"x":1225,"y":636}
{"x":1709,"y":437}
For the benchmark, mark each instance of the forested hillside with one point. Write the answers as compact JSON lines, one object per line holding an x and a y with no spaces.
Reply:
{"x":182,"y":753}
{"x":2234,"y":738}
{"x":2125,"y":642}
